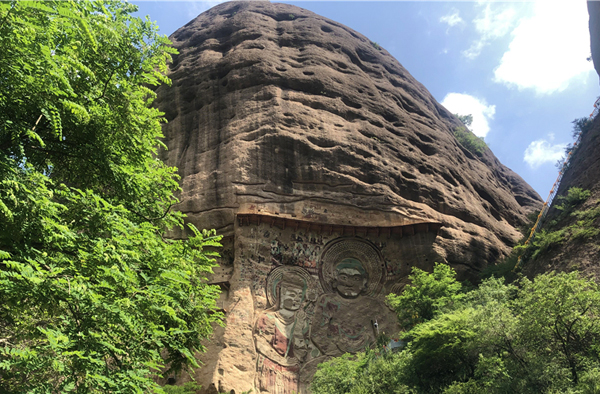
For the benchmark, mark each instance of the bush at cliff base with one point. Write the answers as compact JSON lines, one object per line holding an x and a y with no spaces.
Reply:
{"x":93,"y":297}
{"x":534,"y":336}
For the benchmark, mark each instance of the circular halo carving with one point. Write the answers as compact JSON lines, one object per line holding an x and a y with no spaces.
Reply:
{"x":276,"y":275}
{"x":352,"y":248}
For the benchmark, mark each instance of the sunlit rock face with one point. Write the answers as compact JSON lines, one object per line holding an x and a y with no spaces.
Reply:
{"x":322,"y":161}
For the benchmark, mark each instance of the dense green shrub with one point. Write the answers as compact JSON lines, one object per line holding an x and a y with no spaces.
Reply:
{"x":504,"y":269}
{"x":470,"y":141}
{"x":539,"y":336}
{"x":584,"y":227}
{"x":368,"y":372}
{"x":573,"y":198}
{"x":545,"y":240}
{"x":426,"y":296}
{"x":187,"y":388}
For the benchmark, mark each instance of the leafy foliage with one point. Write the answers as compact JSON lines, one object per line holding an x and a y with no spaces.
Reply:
{"x":467,"y":120}
{"x":93,"y":298}
{"x":584,"y":227}
{"x":187,"y":388}
{"x":368,"y":372}
{"x":574,"y":197}
{"x":580,"y":127}
{"x":426,"y":296}
{"x":470,"y":141}
{"x":503,"y":269}
{"x":538,"y":336}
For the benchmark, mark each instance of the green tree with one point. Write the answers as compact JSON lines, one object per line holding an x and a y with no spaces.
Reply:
{"x":539,"y":336}
{"x":470,"y":141}
{"x":467,"y":120}
{"x":428,"y":295}
{"x":467,"y":139}
{"x":559,"y":324}
{"x":338,"y":375}
{"x":371,"y":372}
{"x":581,"y":126}
{"x":93,"y":297}
{"x":440,"y":350}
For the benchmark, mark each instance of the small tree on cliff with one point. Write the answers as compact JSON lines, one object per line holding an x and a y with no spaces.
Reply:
{"x":467,"y":120}
{"x":93,"y":298}
{"x":466,"y":138}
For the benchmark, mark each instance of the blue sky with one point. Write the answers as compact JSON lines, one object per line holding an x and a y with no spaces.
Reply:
{"x":519,"y":68}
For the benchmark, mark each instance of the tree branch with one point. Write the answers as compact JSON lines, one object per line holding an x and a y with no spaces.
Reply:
{"x":37,"y":121}
{"x":106,"y":84}
{"x":152,"y":219}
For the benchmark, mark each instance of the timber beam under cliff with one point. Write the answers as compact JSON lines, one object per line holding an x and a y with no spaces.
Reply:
{"x":246,"y":219}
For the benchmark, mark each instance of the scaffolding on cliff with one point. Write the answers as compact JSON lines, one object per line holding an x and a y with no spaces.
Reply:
{"x":546,"y":207}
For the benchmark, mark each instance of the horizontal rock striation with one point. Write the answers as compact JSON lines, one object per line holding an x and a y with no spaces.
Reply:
{"x":276,"y":109}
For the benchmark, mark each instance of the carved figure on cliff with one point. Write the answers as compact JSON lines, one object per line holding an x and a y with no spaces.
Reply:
{"x":281,"y":332}
{"x":336,"y":329}
{"x":351,"y":272}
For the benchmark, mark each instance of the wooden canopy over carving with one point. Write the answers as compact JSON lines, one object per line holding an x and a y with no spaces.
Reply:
{"x":246,"y":219}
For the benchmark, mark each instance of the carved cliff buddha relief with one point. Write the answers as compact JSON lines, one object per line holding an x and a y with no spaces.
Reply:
{"x":351,"y":272}
{"x":281,"y":332}
{"x":307,"y":324}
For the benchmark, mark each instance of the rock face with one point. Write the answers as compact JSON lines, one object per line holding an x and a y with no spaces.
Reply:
{"x":580,"y":254}
{"x":594,"y":12}
{"x":331,"y":172}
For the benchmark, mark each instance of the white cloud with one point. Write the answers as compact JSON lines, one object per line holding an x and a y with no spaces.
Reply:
{"x":541,"y":151}
{"x":452,"y":19}
{"x":464,"y":104}
{"x":549,"y":49}
{"x":195,"y":8}
{"x":474,"y":50}
{"x":494,"y":22}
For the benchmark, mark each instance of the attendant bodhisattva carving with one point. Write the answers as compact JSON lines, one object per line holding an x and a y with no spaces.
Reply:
{"x":281,"y":333}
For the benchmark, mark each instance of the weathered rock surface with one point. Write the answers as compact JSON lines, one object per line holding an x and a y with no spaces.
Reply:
{"x":581,"y":254}
{"x":275,"y":105}
{"x":594,"y":13}
{"x":321,"y":159}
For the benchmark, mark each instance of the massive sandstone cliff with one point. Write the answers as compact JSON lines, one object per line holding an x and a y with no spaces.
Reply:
{"x":331,"y":172}
{"x":274,"y":105}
